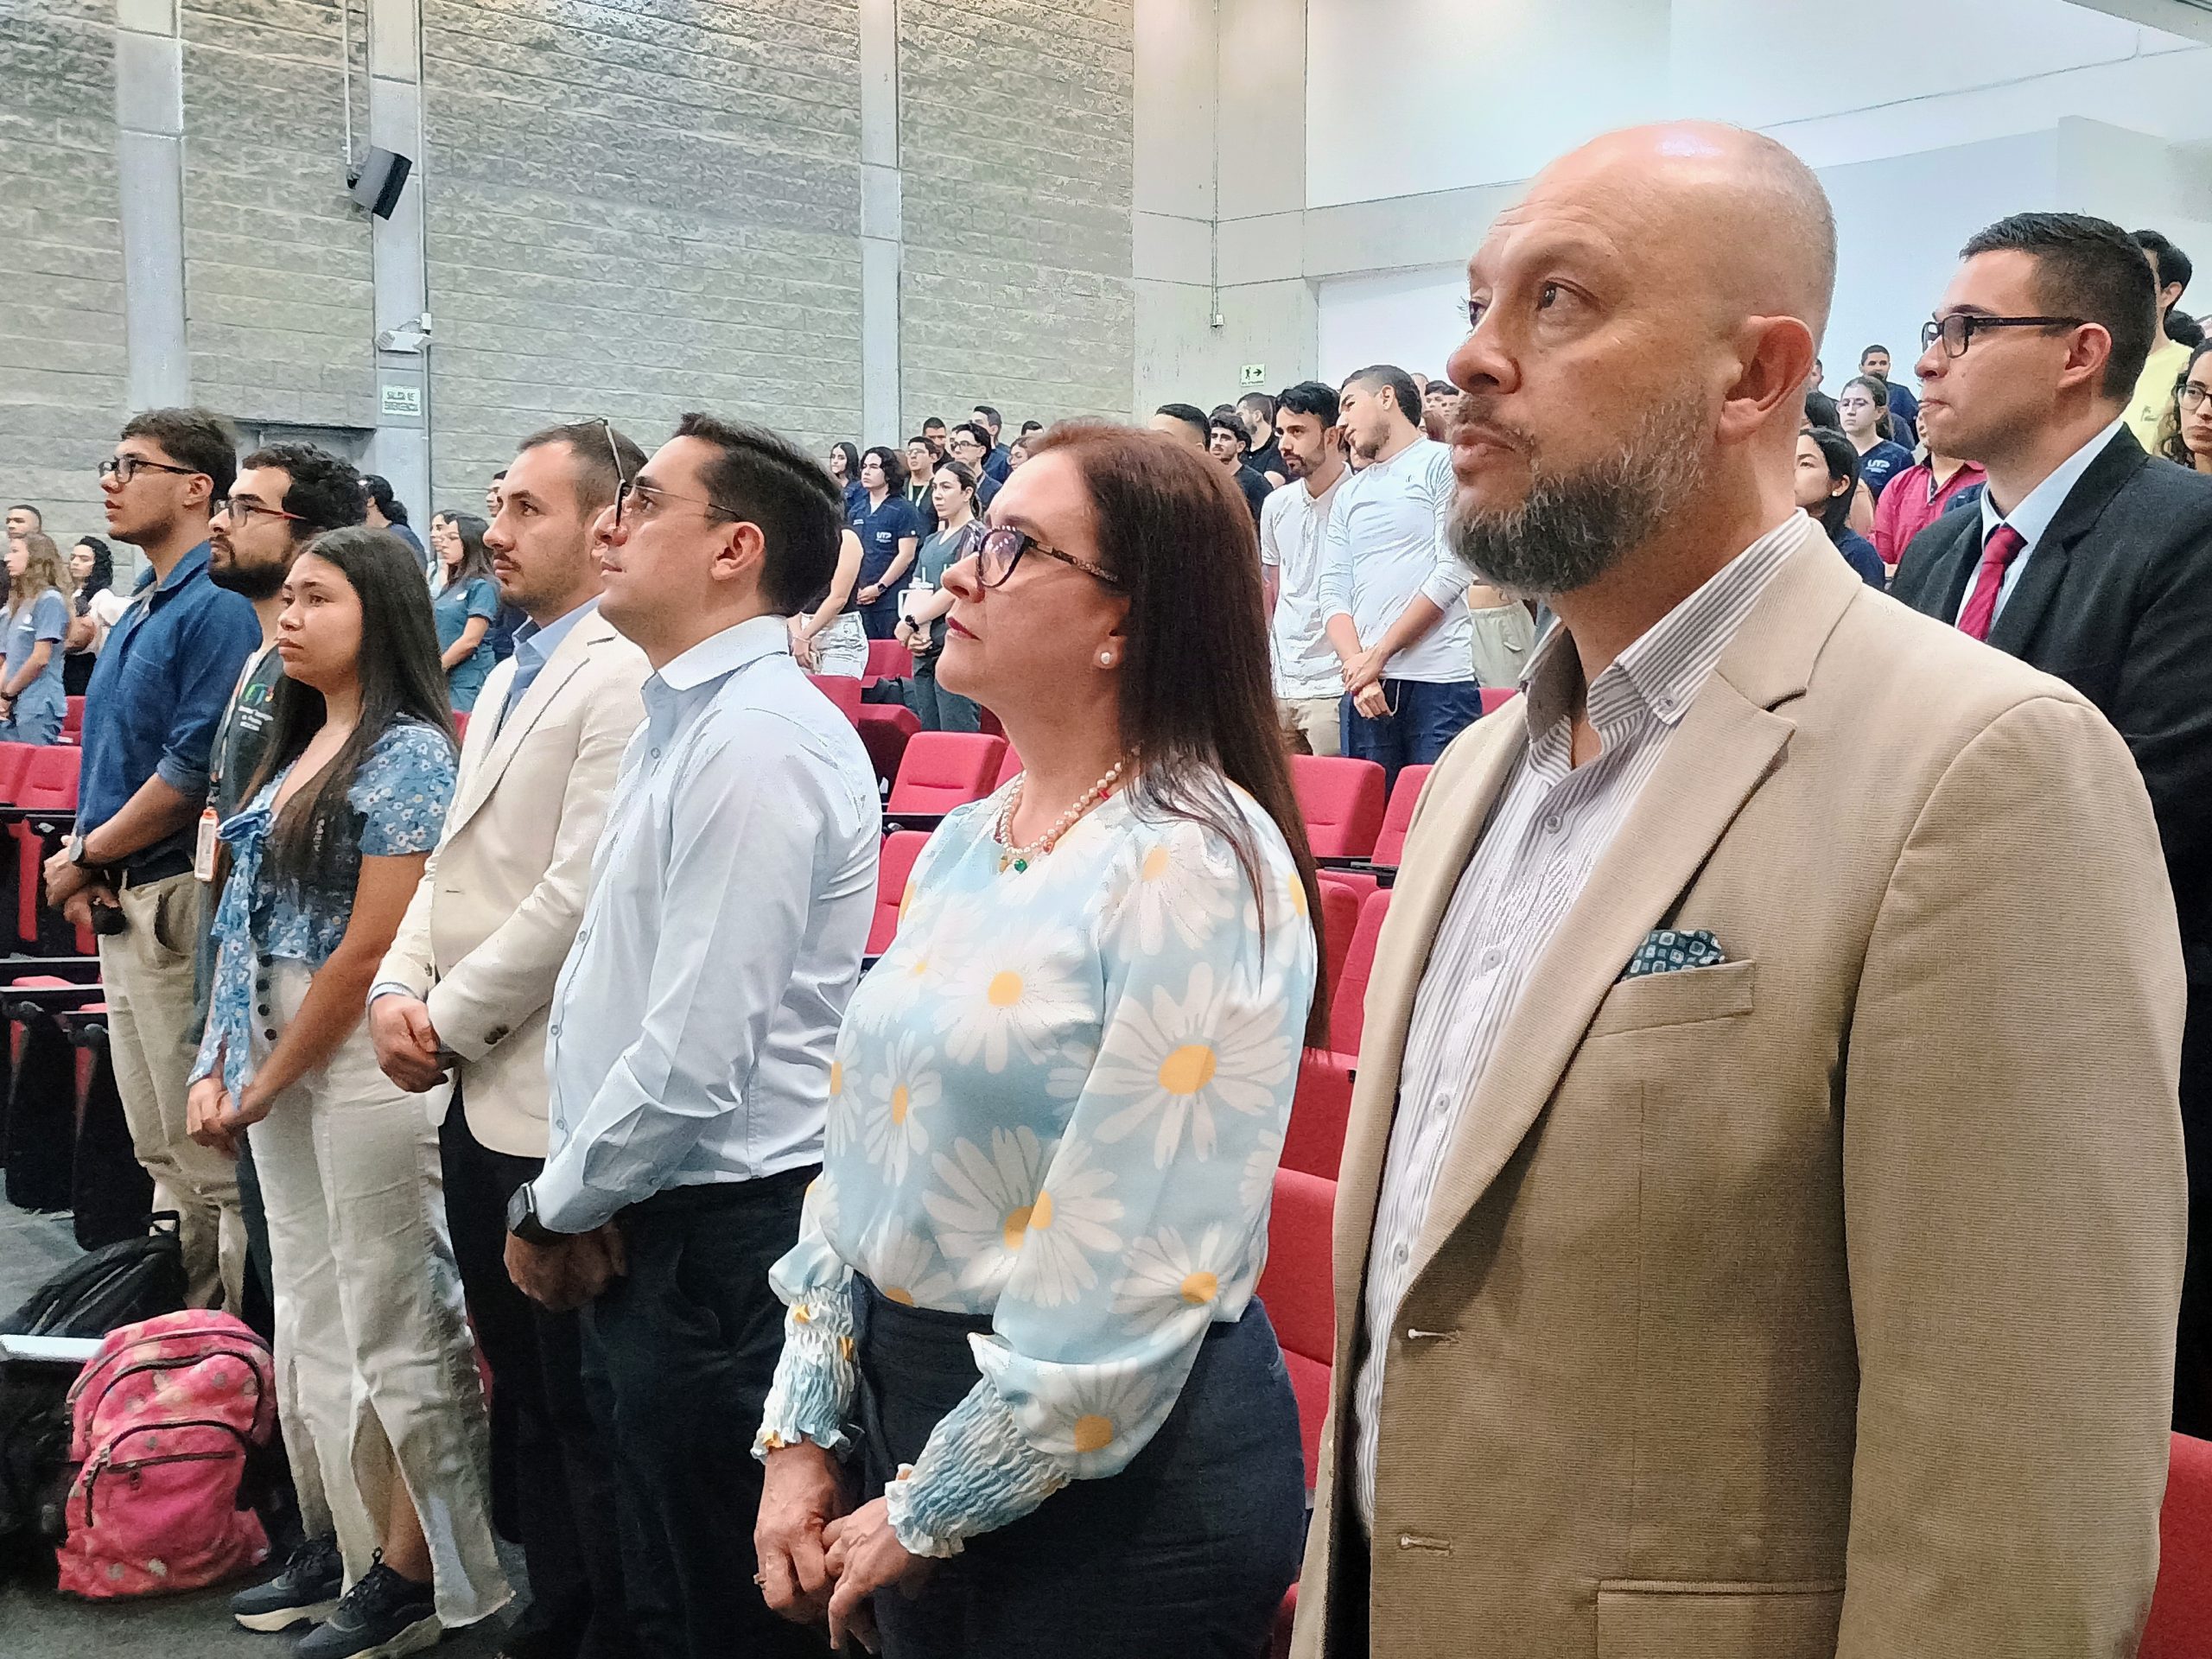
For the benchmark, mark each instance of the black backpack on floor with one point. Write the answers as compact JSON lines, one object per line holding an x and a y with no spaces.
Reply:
{"x":119,"y":1285}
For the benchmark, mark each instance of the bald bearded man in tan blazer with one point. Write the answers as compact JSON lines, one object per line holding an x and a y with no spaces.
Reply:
{"x":1761,"y":1225}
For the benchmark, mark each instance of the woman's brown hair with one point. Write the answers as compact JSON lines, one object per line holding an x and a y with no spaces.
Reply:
{"x":1198,"y":693}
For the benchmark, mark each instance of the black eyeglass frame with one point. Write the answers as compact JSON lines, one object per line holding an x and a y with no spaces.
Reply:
{"x":1967,"y":324}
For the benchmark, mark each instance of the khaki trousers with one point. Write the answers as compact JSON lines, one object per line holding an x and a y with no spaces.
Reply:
{"x":146,"y":977}
{"x":1312,"y":725}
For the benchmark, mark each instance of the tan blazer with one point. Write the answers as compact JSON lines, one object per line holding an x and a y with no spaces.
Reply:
{"x":499,"y":902}
{"x":1818,"y":1302}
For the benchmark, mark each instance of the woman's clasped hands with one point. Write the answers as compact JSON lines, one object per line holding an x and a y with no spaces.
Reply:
{"x":818,"y":1559}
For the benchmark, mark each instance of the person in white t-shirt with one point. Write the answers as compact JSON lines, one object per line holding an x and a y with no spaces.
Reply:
{"x":1391,"y":589}
{"x":1294,"y":525}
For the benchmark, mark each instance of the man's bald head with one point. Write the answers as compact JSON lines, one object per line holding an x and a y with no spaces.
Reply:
{"x":1645,"y":321}
{"x":1737,"y":217}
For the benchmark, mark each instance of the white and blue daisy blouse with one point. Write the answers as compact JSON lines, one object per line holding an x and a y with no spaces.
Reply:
{"x":1058,"y":1101}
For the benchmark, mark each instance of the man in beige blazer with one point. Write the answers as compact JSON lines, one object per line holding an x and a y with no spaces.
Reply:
{"x":467,"y":981}
{"x":1761,"y":1223}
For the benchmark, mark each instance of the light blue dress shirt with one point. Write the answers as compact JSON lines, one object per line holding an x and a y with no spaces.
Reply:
{"x":534,"y":648}
{"x":2033,"y":516}
{"x":693,"y":1026}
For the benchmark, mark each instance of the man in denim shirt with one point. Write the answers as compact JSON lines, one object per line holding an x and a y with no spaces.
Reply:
{"x":150,"y":713}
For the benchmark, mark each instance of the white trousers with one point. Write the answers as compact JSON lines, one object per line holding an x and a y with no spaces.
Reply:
{"x":370,"y":1332}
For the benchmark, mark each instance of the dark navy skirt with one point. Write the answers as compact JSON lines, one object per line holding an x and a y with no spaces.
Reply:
{"x":1188,"y":1551}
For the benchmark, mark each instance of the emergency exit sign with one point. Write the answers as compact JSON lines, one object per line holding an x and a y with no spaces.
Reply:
{"x":1256,"y":374}
{"x":401,"y":402}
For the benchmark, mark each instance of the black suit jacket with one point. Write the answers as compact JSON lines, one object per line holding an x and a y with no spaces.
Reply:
{"x":2116,"y":600}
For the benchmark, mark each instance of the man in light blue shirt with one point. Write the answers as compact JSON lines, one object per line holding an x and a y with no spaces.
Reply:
{"x":692,"y":1029}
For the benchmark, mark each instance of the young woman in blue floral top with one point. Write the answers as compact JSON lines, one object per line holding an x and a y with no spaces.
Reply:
{"x":1021,"y":1304}
{"x":385,"y":1419}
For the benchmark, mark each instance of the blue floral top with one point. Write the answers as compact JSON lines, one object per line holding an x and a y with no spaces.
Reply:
{"x":398,"y":797}
{"x":1057,"y":1100}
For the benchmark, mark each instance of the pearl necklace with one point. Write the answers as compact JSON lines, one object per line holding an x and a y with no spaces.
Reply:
{"x":1018,"y":858}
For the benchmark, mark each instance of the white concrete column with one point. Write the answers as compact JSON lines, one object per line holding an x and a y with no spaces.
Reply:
{"x":882,"y":222}
{"x":401,"y":446}
{"x":150,"y":154}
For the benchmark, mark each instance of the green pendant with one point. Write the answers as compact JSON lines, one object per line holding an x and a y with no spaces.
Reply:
{"x":1020,"y":865}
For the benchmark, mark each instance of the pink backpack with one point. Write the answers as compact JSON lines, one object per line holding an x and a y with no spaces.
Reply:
{"x":162,"y":1418}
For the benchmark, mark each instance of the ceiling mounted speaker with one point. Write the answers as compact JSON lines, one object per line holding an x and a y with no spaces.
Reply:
{"x":377,"y":182}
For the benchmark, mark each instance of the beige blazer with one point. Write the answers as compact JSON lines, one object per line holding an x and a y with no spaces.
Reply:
{"x":1818,"y":1302}
{"x":500,"y":899}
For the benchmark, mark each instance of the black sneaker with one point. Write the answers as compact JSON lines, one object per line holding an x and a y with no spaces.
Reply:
{"x":304,"y":1593}
{"x":382,"y":1617}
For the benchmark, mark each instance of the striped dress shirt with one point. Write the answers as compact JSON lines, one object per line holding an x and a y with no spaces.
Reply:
{"x":1552,"y":822}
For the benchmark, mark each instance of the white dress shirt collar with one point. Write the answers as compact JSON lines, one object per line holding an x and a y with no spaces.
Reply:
{"x":720,"y":655}
{"x":2041,"y":505}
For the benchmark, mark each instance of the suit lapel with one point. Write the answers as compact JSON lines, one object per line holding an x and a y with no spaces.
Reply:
{"x":2014,"y":631}
{"x":1728,"y":743}
{"x":573,"y":652}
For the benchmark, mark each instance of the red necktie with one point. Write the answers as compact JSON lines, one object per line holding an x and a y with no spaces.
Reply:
{"x":2003,"y":547}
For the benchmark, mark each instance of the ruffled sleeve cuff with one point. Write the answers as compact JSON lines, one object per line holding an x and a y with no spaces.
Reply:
{"x":813,"y":1380}
{"x":979,"y":1472}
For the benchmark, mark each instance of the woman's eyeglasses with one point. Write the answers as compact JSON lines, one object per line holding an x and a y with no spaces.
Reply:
{"x":2191,"y":394}
{"x":1000,"y":550}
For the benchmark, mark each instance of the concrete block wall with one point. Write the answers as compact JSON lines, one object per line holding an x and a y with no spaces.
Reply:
{"x":630,"y":208}
{"x":61,"y":352}
{"x":278,"y":288}
{"x":1017,"y":156}
{"x":634,"y":213}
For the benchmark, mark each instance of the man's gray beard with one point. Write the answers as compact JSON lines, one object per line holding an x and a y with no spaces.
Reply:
{"x":1574,"y":527}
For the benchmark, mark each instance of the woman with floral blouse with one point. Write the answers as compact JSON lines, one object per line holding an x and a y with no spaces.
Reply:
{"x":384,"y":1419}
{"x":1021,"y":1304}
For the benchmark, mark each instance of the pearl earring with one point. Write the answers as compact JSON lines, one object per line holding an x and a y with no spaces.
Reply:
{"x":1105,"y":659}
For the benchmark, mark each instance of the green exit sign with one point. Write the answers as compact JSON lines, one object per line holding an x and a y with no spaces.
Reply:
{"x":1256,"y":374}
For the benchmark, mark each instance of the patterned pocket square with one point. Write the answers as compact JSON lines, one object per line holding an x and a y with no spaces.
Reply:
{"x":1665,"y":950}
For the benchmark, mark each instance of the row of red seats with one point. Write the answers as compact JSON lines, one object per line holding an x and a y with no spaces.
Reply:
{"x":38,"y":785}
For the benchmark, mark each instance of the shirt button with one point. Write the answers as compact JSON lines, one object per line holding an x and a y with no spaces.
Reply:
{"x":653,"y":754}
{"x":1553,"y":824}
{"x":269,"y":1032}
{"x":1491,"y":958}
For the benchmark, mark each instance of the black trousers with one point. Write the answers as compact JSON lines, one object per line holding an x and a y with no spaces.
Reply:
{"x":678,"y":1356}
{"x":552,"y":1484}
{"x":2193,"y":1350}
{"x":1187,"y":1552}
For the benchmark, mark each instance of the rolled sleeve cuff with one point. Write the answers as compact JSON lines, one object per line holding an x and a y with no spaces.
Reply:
{"x":1446,"y":584}
{"x":187,"y":780}
{"x":384,"y":987}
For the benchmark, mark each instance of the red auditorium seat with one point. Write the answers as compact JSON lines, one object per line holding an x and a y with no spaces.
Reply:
{"x":1296,"y":1286}
{"x":1342,"y":800}
{"x":48,"y":784}
{"x":461,"y":725}
{"x":844,"y":690}
{"x":1495,"y":697}
{"x":73,"y":720}
{"x":14,"y":760}
{"x":943,"y":769}
{"x":888,"y":660}
{"x":1405,"y":795}
{"x":894,"y":864}
{"x":1314,"y":1143}
{"x":2180,"y":1626}
{"x":1348,"y":1006}
{"x":1339,"y":921}
{"x":1008,"y":767}
{"x":885,"y":728}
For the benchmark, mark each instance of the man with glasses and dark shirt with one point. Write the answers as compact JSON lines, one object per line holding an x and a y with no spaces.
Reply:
{"x":971,"y":446}
{"x":285,"y":495}
{"x":155,"y":697}
{"x":996,"y":461}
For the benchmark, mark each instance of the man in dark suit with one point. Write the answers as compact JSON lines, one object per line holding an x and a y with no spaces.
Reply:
{"x":2092,"y":561}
